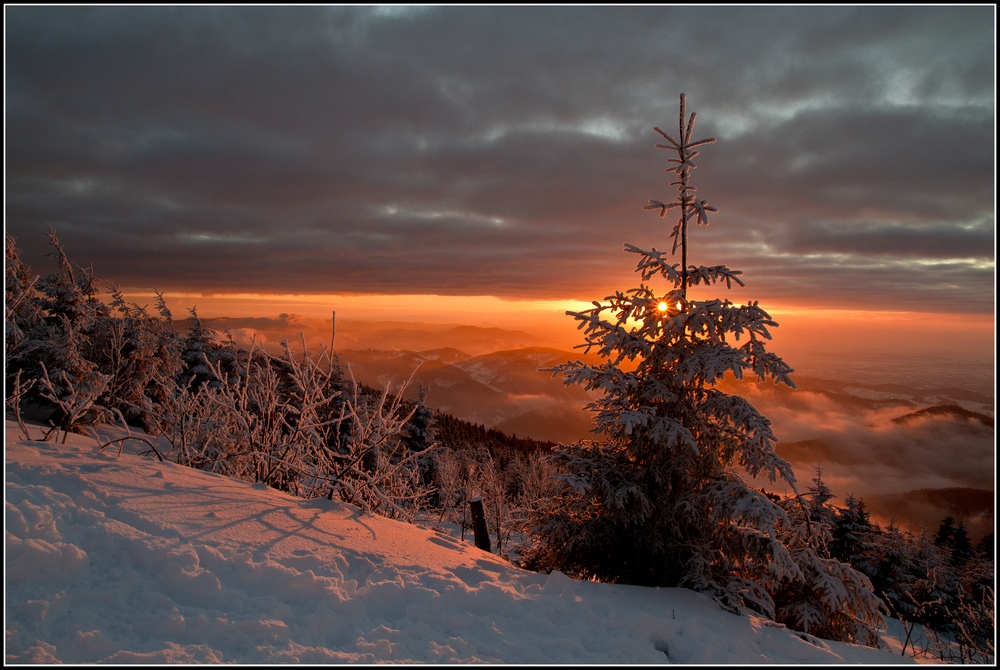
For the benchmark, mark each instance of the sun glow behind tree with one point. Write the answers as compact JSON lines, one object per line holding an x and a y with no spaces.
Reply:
{"x":658,"y":498}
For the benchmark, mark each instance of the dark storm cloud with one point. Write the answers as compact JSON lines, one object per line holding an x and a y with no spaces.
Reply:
{"x":504,"y":151}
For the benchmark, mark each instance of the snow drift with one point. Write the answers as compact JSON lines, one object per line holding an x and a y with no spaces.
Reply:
{"x":123,"y":559}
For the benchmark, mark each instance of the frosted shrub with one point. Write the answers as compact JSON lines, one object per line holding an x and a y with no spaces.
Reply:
{"x":79,"y":361}
{"x":534,"y":475}
{"x":374,"y":468}
{"x":509,"y":485}
{"x":73,"y":389}
{"x":141,"y":356}
{"x":288,"y":422}
{"x":21,"y":313}
{"x":451,"y":479}
{"x":493,"y":485}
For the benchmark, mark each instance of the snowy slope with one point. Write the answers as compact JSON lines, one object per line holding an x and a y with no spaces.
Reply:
{"x":129,"y":560}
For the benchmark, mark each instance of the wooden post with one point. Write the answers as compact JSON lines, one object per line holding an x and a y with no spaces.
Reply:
{"x":482,"y":534}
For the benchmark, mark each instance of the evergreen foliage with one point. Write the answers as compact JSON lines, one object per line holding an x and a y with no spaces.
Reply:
{"x":852,"y":535}
{"x":819,"y":495}
{"x":830,"y":599}
{"x":955,"y":540}
{"x":659,"y":499}
{"x":986,"y":547}
{"x":141,"y":355}
{"x":53,"y":323}
{"x":204,"y":349}
{"x":21,"y":312}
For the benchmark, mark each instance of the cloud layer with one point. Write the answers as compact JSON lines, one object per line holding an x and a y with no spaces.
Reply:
{"x":506,"y":151}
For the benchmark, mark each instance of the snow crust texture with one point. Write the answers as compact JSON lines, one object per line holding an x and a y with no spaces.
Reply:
{"x":123,"y":559}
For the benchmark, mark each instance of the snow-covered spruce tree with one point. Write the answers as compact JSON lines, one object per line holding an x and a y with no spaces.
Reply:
{"x":21,"y":312}
{"x":202,"y":348}
{"x":55,"y":345}
{"x":852,"y":535}
{"x":420,"y":434}
{"x":658,"y":500}
{"x":22,"y":316}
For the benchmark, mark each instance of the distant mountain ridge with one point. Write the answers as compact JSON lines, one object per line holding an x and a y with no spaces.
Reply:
{"x":383,"y":335}
{"x":953,"y":411}
{"x":502,"y":389}
{"x":474,"y":339}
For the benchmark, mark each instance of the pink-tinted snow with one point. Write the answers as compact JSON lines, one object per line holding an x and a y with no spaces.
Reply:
{"x":124,"y":559}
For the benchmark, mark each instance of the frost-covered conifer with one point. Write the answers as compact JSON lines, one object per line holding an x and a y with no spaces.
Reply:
{"x":420,"y":434}
{"x":962,"y":549}
{"x":21,"y":313}
{"x":955,"y":540}
{"x":55,"y":345}
{"x":945,"y":532}
{"x":21,"y":317}
{"x":661,"y":497}
{"x":658,"y":499}
{"x":75,"y":360}
{"x":829,"y":598}
{"x":852,"y":536}
{"x":420,"y":429}
{"x":203,"y":350}
{"x":986,"y":547}
{"x":819,"y":495}
{"x":895,"y":570}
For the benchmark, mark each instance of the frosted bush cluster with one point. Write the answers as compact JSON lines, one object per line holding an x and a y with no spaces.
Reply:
{"x":294,"y":422}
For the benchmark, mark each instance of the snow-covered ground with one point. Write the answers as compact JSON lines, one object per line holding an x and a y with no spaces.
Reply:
{"x":124,"y":559}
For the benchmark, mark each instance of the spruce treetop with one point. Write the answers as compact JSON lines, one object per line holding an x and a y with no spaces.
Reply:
{"x":659,"y":499}
{"x":690,"y":206}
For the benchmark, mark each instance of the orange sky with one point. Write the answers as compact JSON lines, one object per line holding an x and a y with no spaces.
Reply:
{"x":808,"y":339}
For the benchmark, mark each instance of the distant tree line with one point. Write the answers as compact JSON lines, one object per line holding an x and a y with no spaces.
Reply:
{"x":454,"y":432}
